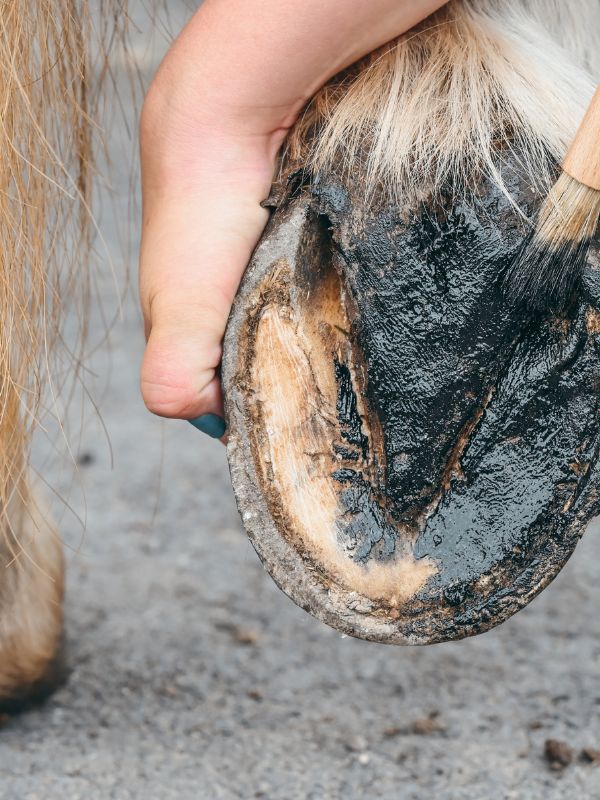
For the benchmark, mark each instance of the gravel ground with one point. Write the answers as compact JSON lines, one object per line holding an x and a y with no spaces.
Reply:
{"x":193,"y":677}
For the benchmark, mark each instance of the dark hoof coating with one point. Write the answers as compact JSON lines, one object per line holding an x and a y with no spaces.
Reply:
{"x":34,"y":694}
{"x":414,"y":458}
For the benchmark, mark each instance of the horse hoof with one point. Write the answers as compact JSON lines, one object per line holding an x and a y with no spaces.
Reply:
{"x":413,"y":458}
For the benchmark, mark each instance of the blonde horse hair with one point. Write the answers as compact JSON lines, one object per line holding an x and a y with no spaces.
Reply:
{"x":48,"y":104}
{"x":52,"y":64}
{"x":431,"y":106}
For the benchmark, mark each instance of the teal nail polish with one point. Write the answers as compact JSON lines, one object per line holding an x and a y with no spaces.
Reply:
{"x":211,"y":424}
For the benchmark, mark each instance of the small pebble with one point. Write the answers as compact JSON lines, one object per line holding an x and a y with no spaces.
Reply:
{"x":356,"y":744}
{"x":246,"y":636}
{"x":558,"y":754}
{"x":427,"y":726}
{"x":590,"y":756}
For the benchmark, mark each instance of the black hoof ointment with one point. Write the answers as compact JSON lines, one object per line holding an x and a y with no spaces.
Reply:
{"x":414,"y":456}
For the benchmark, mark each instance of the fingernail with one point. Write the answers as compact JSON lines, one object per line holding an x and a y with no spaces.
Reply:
{"x":211,"y":424}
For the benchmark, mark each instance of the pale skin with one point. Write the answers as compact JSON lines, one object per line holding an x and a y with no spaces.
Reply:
{"x":217,"y":112}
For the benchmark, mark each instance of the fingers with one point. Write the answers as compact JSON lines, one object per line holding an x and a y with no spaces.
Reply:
{"x":194,"y":251}
{"x":179,"y":371}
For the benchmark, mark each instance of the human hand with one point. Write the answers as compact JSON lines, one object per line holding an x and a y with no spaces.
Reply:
{"x":214,"y":118}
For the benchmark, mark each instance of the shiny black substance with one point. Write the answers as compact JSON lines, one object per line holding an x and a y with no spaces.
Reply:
{"x":464,"y":431}
{"x":489,"y":413}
